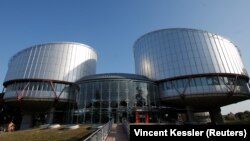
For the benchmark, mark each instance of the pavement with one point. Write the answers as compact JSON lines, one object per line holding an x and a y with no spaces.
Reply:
{"x":117,"y":133}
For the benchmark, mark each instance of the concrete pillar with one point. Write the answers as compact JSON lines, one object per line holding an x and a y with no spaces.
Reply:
{"x":26,"y":121}
{"x":50,"y":115}
{"x":215,"y":115}
{"x":190,"y":114}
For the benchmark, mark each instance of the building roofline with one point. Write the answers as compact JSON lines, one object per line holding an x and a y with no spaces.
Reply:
{"x":57,"y":42}
{"x":180,"y":28}
{"x":114,"y":76}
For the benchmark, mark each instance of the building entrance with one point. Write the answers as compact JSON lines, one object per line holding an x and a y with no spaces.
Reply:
{"x":141,"y":117}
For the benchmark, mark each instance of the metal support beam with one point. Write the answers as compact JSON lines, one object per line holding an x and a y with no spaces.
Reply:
{"x":182,"y":93}
{"x":231,"y":90}
{"x":20,"y":95}
{"x":57,"y":97}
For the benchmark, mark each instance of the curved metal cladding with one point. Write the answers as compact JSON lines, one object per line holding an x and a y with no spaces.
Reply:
{"x":45,"y":71}
{"x":63,"y":61}
{"x":191,"y":62}
{"x":117,"y":96}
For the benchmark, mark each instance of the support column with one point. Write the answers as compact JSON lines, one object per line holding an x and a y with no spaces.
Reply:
{"x":215,"y":115}
{"x":146,"y":117}
{"x":26,"y":121}
{"x":50,"y":115}
{"x":137,"y":117}
{"x":190,"y":114}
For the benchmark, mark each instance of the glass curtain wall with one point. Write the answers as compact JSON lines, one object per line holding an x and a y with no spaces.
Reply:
{"x":100,"y":100}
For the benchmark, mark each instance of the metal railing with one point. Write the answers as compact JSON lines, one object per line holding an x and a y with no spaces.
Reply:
{"x":102,"y":133}
{"x":126,"y":127}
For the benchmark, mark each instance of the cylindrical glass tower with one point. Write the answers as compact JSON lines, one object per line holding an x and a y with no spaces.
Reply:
{"x":38,"y":78}
{"x":192,"y":67}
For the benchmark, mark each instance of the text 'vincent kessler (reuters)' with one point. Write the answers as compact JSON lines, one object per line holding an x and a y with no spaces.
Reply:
{"x":198,"y":132}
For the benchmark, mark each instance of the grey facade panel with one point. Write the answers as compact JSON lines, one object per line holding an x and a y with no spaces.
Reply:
{"x":63,"y":61}
{"x":46,"y":71}
{"x":192,"y":63}
{"x":176,"y":52}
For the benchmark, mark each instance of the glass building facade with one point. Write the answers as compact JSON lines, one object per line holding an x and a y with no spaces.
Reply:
{"x":38,"y":80}
{"x":177,"y":70}
{"x":177,"y":52}
{"x":118,"y":96}
{"x":190,"y":63}
{"x":45,"y":71}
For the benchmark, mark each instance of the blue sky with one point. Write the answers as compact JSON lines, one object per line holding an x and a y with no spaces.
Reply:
{"x":112,"y":26}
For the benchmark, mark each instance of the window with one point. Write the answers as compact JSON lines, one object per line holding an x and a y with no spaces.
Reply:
{"x":168,"y":85}
{"x":242,"y":82}
{"x":40,"y":84}
{"x":231,"y":81}
{"x":198,"y":81}
{"x":192,"y":83}
{"x":179,"y":83}
{"x":46,"y":86}
{"x":213,"y":81}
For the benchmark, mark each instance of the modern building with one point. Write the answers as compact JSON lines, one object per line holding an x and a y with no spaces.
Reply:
{"x":1,"y":99}
{"x":181,"y":73}
{"x":2,"y":122}
{"x":195,"y":70}
{"x":38,"y":79}
{"x":118,"y":96}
